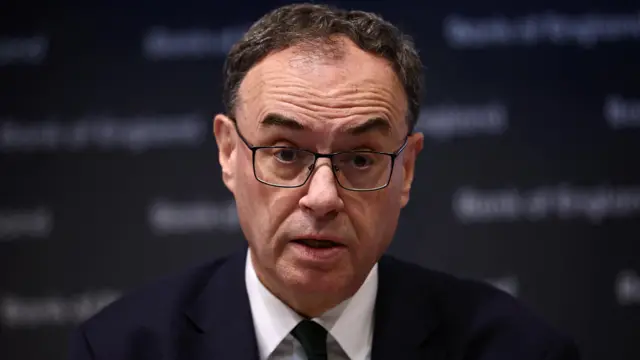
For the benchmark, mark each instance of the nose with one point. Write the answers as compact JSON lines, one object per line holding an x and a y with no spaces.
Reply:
{"x":322,"y":198}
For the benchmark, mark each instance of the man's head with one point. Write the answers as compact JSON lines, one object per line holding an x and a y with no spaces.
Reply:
{"x":322,"y":80}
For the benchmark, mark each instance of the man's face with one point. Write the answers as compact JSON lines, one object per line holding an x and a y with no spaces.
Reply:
{"x":321,"y":101}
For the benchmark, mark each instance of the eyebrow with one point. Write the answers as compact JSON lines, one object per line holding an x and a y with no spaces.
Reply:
{"x":374,"y":124}
{"x":277,"y":120}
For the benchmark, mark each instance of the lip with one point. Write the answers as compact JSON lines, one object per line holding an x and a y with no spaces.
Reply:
{"x":324,"y":258}
{"x":334,"y":239}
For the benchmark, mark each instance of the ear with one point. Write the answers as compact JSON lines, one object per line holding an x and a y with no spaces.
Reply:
{"x":224,"y":133}
{"x":410,"y":155}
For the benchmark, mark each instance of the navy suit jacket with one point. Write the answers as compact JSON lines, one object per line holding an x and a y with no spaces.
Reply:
{"x":204,"y":314}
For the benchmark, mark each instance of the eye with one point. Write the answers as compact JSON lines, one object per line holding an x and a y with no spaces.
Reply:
{"x":358,"y":160}
{"x":286,"y":155}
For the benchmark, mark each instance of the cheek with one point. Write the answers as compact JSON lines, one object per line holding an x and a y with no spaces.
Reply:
{"x":386,"y":211}
{"x":262,"y":208}
{"x":373,"y":215}
{"x":249,"y":201}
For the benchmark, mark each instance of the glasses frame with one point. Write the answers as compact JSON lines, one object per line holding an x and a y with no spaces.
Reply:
{"x":254,"y":149}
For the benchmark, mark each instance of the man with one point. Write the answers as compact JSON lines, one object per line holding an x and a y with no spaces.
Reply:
{"x":317,"y":147}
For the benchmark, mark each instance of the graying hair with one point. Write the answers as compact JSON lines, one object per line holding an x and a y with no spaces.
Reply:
{"x":313,"y":28}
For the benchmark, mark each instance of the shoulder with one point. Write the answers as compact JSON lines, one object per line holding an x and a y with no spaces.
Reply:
{"x":152,"y":311}
{"x":476,"y":315}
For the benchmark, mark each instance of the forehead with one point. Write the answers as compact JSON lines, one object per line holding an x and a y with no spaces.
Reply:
{"x":324,"y":91}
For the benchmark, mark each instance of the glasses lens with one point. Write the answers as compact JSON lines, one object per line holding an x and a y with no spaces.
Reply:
{"x":283,"y":166}
{"x":362,"y":170}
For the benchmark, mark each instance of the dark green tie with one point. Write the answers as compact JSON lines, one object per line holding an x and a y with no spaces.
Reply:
{"x":313,"y":338}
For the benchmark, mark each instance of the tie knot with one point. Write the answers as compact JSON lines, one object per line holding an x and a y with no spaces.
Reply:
{"x":313,"y":338}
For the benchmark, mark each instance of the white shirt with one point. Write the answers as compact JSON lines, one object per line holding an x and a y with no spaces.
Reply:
{"x":350,"y":324}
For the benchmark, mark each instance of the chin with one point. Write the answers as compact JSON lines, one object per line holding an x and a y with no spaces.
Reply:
{"x":308,"y":280}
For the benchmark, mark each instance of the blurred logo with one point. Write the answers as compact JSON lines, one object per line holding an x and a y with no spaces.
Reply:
{"x":161,"y":43}
{"x":33,"y":312}
{"x":562,"y":202}
{"x":36,"y":223}
{"x":508,"y":284}
{"x":628,"y":288}
{"x":135,"y":133}
{"x":585,"y":30}
{"x":169,"y":218}
{"x":622,"y":113}
{"x":29,"y":51}
{"x":444,"y":122}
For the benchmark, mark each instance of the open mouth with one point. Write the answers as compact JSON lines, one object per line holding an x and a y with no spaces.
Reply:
{"x":317,"y":244}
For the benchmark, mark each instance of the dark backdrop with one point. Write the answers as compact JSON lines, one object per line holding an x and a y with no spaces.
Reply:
{"x":529,"y":178}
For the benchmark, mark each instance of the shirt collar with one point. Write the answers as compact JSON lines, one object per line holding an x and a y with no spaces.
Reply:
{"x":350,"y":323}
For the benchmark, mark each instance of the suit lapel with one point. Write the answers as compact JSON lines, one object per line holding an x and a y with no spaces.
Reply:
{"x":405,"y":320}
{"x":221,"y":315}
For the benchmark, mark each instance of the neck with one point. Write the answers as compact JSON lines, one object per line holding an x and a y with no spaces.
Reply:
{"x":306,"y":304}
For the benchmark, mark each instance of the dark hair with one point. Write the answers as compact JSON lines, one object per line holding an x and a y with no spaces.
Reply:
{"x":317,"y":25}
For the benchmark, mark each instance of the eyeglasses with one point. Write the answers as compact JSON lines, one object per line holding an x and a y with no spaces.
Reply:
{"x":289,"y":167}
